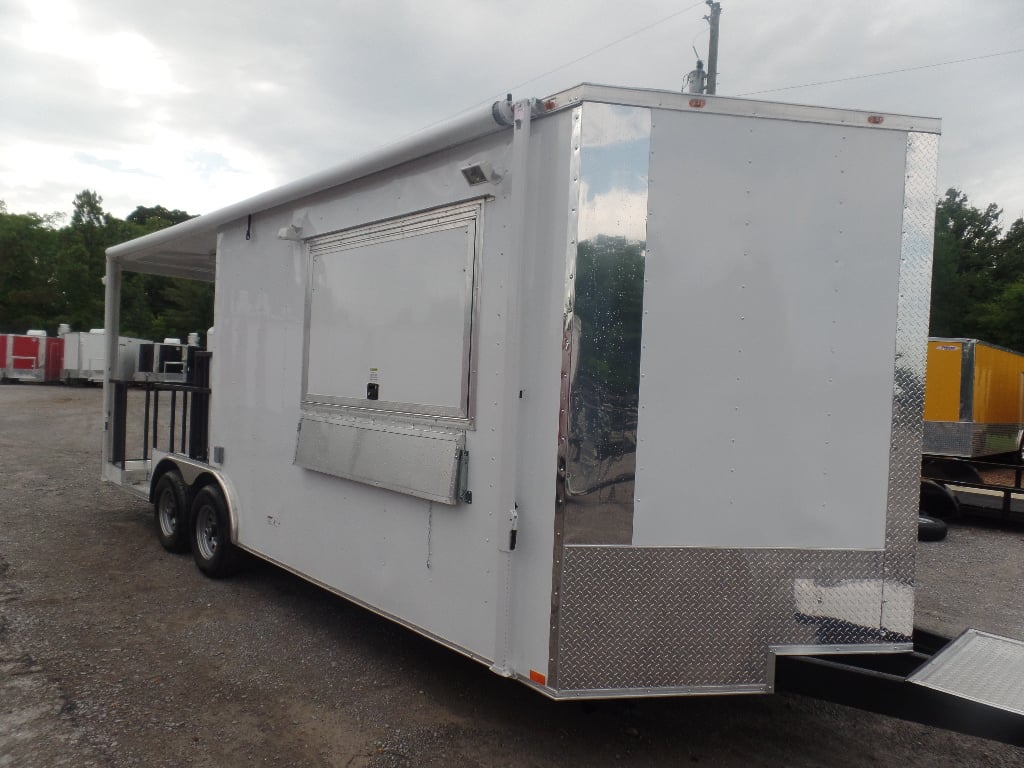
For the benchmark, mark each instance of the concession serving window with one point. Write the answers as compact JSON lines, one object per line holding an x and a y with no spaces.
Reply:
{"x":388,"y":349}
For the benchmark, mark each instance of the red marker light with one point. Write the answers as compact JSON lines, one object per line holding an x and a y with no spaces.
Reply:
{"x":697,"y":103}
{"x":876,"y":119}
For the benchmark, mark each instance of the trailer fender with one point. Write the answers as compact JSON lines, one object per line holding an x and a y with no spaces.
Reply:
{"x":197,"y":475}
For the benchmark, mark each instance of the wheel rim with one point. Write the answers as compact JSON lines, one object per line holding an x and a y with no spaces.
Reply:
{"x":168,"y":513}
{"x":207,"y":533}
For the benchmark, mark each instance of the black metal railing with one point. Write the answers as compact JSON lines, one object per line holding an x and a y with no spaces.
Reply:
{"x":184,"y":420}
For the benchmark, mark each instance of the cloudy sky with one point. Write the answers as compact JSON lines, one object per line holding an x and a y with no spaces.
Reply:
{"x":195,"y":105}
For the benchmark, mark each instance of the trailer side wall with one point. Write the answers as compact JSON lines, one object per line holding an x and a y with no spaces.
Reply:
{"x":427,"y":564}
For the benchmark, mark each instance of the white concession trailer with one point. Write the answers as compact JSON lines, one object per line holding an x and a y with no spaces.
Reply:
{"x":85,"y":353}
{"x":571,"y":386}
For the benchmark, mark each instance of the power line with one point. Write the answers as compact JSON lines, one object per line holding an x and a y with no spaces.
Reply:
{"x":609,"y":45}
{"x":889,"y":72}
{"x":569,"y":63}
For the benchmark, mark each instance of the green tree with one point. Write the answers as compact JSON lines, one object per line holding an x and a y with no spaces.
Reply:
{"x":156,"y":217}
{"x":1002,"y":316}
{"x":82,"y":261}
{"x":967,"y":248}
{"x":51,"y":275}
{"x":29,"y":293}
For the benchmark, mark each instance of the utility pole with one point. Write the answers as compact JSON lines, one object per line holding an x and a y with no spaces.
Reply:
{"x":716,"y":11}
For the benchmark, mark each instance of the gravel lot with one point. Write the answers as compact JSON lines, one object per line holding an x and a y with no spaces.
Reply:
{"x":115,"y":653}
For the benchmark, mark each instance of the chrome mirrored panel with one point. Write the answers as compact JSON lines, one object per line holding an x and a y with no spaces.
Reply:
{"x":603,"y":322}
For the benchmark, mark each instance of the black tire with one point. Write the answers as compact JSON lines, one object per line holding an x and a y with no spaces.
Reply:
{"x":171,"y":512}
{"x":938,"y":501}
{"x":930,"y":529}
{"x":210,"y":526}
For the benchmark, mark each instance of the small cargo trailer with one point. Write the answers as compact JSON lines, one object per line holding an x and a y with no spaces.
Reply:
{"x":570,"y":386}
{"x":973,"y":429}
{"x":974,"y":399}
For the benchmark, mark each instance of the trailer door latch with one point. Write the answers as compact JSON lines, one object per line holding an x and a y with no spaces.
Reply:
{"x":465,"y":495}
{"x":514,"y":530}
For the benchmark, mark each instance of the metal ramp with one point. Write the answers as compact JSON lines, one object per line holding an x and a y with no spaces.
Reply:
{"x":973,"y":684}
{"x":985,"y":668}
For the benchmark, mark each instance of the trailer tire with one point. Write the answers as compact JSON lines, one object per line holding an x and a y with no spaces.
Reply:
{"x":210,"y":529}
{"x":171,"y":512}
{"x":930,"y":529}
{"x":938,"y":501}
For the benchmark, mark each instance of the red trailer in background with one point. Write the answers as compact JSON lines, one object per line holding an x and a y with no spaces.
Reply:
{"x":31,"y":356}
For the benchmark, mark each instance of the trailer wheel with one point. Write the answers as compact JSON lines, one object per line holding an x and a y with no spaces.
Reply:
{"x":170,"y":510}
{"x":930,"y":529}
{"x":938,"y":501}
{"x":211,"y":534}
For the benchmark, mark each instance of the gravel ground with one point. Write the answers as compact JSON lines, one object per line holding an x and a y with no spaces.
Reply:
{"x":115,"y":653}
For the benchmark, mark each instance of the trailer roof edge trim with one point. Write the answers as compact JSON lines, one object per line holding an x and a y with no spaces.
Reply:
{"x":192,"y":241}
{"x":731,"y":105}
{"x":189,"y":249}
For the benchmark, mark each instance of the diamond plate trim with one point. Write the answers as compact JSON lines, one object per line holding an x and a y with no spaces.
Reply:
{"x":636,"y":617}
{"x":908,"y":392}
{"x":980,"y":667}
{"x":967,"y":439}
{"x":569,"y":324}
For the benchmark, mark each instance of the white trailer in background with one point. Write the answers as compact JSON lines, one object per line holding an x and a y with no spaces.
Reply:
{"x":572,"y":386}
{"x":85,"y":355}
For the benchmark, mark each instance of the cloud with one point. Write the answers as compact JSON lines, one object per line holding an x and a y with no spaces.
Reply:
{"x":279,"y":91}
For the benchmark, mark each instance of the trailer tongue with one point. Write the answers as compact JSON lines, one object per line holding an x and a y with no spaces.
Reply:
{"x":560,"y":391}
{"x":973,"y":684}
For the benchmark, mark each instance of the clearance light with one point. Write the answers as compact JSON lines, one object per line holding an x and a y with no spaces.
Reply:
{"x":697,"y":103}
{"x":876,"y":119}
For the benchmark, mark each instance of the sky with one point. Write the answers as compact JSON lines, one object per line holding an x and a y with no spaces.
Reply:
{"x":196,"y":105}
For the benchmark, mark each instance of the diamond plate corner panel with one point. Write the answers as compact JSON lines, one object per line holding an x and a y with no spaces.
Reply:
{"x":908,"y":393}
{"x":636,"y":617}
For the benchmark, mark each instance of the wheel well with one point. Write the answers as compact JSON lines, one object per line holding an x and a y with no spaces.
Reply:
{"x":161,"y":469}
{"x":167,"y":465}
{"x":204,"y":480}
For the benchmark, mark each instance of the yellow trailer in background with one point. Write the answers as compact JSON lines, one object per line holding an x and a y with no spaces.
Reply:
{"x":974,"y":399}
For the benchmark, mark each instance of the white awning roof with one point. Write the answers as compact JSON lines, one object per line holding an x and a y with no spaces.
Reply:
{"x":189,"y":249}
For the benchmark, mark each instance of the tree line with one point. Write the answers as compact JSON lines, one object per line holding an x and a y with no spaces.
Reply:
{"x":51,"y":272}
{"x":978,"y":274}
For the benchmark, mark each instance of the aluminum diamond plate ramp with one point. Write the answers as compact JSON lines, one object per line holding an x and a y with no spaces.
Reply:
{"x":981,"y":667}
